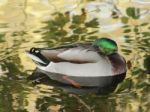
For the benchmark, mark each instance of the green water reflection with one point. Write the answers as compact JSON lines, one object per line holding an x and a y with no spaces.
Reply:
{"x":42,"y":23}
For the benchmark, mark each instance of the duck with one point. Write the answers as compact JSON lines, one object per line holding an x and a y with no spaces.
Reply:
{"x":88,"y":64}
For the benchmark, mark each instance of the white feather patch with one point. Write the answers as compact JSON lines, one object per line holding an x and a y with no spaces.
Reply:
{"x":100,"y":68}
{"x":79,"y":54}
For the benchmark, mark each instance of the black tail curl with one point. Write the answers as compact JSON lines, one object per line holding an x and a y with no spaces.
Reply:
{"x":37,"y":52}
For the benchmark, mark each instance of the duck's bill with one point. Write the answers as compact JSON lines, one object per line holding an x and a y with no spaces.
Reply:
{"x":36,"y":59}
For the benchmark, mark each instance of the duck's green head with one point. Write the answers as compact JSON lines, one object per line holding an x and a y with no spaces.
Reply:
{"x":106,"y":46}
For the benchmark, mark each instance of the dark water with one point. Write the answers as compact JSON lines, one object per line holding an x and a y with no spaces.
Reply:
{"x":24,"y":24}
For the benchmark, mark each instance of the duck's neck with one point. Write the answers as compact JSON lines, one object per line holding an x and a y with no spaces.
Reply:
{"x":118,"y":63}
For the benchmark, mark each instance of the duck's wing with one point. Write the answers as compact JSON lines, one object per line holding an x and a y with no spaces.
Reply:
{"x":74,"y":53}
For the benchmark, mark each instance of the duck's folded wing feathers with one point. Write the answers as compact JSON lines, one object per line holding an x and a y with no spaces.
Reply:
{"x":74,"y":54}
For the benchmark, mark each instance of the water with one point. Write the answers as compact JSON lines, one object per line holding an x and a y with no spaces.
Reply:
{"x":42,"y":23}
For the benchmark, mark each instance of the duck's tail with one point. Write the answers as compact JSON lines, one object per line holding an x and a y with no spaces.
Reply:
{"x":37,"y":57}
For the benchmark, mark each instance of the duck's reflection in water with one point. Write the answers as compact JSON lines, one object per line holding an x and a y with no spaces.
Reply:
{"x":106,"y":84}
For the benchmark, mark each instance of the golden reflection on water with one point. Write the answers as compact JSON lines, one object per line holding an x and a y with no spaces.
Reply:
{"x":19,"y":21}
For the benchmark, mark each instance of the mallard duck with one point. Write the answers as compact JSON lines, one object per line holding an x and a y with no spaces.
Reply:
{"x":81,"y":64}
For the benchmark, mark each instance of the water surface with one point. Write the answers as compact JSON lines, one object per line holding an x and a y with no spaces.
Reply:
{"x":49,"y":23}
